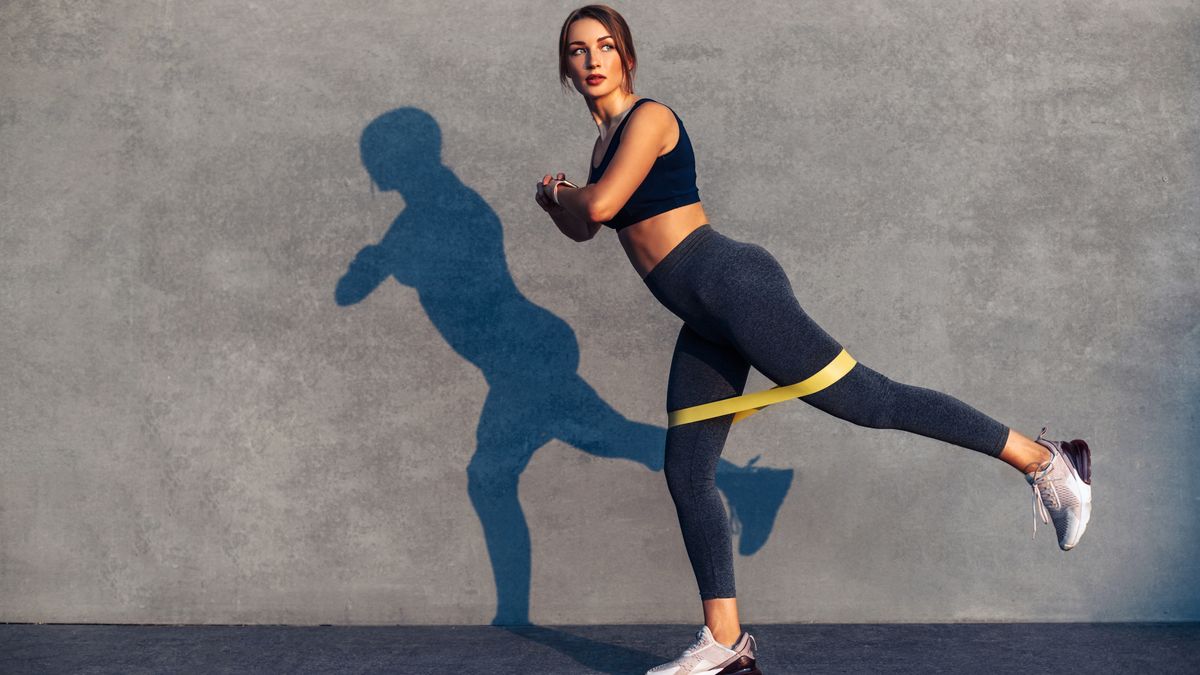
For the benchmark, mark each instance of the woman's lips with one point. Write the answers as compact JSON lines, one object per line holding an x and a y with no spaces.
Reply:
{"x":597,"y":79}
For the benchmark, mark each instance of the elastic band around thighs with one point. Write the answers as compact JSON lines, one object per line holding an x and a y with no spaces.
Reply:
{"x":748,"y":404}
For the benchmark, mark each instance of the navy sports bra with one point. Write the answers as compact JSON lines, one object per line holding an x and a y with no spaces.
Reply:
{"x":671,"y":182}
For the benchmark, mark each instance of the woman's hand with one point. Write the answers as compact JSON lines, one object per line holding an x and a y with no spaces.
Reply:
{"x":543,"y":195}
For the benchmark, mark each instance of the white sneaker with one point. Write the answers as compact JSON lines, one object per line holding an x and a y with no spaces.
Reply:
{"x":706,"y":656}
{"x":1062,"y":490}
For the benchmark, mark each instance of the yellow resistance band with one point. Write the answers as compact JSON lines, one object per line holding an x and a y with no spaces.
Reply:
{"x":748,"y":404}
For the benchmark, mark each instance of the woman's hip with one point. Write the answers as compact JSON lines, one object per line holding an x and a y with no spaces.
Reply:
{"x":708,"y":275}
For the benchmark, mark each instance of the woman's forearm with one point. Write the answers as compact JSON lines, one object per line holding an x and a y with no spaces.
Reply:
{"x":574,"y":228}
{"x":576,"y":201}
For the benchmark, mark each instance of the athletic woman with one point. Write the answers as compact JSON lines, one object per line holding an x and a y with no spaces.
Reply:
{"x":739,"y":311}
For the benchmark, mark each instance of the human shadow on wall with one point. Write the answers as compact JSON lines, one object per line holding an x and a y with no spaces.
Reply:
{"x":448,"y":245}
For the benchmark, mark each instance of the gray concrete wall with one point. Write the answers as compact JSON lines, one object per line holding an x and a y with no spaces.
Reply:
{"x":210,"y":416}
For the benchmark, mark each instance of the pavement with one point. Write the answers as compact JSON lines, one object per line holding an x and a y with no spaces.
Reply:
{"x":1057,"y":648}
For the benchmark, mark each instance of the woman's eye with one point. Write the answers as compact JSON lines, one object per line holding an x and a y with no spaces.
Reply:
{"x":579,"y":49}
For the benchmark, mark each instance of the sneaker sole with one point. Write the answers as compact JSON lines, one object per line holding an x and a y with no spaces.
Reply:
{"x":743,"y":666}
{"x":1081,"y":468}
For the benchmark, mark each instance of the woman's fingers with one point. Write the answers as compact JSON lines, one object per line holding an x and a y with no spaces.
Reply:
{"x":540,"y":195}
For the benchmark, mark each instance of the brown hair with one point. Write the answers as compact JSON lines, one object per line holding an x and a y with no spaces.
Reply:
{"x":617,"y":28}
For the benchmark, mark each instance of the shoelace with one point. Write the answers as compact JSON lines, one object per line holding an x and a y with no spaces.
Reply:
{"x":1042,"y":481}
{"x":700,"y":643}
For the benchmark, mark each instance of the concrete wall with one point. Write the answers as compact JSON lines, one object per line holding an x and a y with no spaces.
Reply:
{"x":209,"y":415}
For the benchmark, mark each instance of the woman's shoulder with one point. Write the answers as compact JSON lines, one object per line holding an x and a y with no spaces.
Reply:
{"x":652,"y":108}
{"x":655,"y":109}
{"x":647,"y":102}
{"x":657,"y":122}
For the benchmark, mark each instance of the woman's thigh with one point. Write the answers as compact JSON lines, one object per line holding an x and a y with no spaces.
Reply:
{"x":702,"y":371}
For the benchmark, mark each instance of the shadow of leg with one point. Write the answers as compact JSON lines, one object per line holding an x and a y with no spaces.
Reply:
{"x":503,"y":449}
{"x":493,"y":492}
{"x":588,"y":422}
{"x":755,"y":494}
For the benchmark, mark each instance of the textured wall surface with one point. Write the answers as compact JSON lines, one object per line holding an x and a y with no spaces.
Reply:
{"x":281,"y":325}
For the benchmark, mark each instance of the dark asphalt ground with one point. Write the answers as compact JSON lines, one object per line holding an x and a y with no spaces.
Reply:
{"x":1156,"y":648}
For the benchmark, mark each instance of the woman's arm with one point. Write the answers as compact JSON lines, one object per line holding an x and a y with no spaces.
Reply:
{"x":570,"y":225}
{"x":575,"y":202}
{"x":575,"y":205}
{"x":643,"y":138}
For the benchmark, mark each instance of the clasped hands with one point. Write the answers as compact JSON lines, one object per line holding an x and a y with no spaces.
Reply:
{"x":546,"y":196}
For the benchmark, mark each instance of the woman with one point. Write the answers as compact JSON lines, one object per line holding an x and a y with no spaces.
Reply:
{"x":739,"y":311}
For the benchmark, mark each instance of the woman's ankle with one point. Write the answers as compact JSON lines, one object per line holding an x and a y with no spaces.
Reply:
{"x":721,"y":617}
{"x":1023,"y":454}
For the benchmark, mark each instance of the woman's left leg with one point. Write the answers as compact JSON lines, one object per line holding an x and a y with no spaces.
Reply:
{"x":703,"y":371}
{"x":773,"y":332}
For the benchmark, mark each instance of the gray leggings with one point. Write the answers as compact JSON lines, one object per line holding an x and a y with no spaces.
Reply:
{"x":739,"y":310}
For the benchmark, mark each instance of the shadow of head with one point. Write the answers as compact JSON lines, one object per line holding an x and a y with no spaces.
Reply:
{"x":447,"y":239}
{"x":400,"y":147}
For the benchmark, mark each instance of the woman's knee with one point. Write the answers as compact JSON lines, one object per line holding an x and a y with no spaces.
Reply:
{"x":863,"y":396}
{"x":680,"y":476}
{"x":686,"y":474}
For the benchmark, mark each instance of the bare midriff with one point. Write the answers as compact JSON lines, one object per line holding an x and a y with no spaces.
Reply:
{"x":648,"y":241}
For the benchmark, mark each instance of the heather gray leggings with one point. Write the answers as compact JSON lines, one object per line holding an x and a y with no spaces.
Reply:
{"x":739,"y":310}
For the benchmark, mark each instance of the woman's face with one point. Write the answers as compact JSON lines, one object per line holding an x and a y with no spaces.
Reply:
{"x":591,"y":51}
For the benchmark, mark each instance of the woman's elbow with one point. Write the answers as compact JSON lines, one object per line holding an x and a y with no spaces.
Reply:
{"x":592,"y":229}
{"x":598,"y":210}
{"x":598,"y":213}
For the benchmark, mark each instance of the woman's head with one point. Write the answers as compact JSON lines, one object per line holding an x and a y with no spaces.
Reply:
{"x":596,"y":40}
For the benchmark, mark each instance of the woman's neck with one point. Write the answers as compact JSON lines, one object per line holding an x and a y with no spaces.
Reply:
{"x":607,"y":116}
